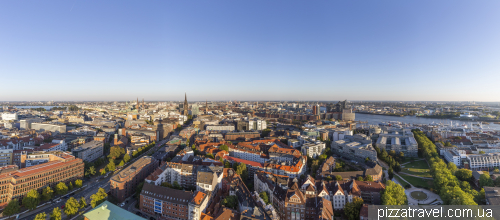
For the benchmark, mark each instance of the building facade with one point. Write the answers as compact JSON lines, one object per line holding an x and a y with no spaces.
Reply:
{"x":89,"y":151}
{"x":124,"y":183}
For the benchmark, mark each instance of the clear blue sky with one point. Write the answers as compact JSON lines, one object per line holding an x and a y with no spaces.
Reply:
{"x":250,"y":50}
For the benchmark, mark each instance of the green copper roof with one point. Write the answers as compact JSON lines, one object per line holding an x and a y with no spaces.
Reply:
{"x":107,"y":210}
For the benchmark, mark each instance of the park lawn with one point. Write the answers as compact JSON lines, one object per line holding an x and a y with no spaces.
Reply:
{"x":421,"y":164}
{"x":402,"y":182}
{"x":418,"y":182}
{"x":417,"y":172}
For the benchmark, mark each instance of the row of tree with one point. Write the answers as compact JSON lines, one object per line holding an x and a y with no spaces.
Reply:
{"x":33,"y":197}
{"x":73,"y":205}
{"x":451,"y":189}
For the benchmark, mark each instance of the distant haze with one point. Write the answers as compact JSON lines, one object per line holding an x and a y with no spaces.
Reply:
{"x":250,"y":50}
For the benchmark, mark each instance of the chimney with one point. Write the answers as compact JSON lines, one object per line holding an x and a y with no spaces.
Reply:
{"x":116,"y":139}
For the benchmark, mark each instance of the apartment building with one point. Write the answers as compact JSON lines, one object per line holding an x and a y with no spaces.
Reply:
{"x":455,"y":156}
{"x":6,"y":157}
{"x":289,"y":168}
{"x":483,"y":161}
{"x":313,"y":149}
{"x":89,"y":151}
{"x":233,"y":136}
{"x":16,"y":183}
{"x":203,"y":178}
{"x":166,"y":203}
{"x":222,"y":128}
{"x":124,"y":183}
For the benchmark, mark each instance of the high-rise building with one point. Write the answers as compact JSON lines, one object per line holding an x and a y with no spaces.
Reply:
{"x":315,"y":109}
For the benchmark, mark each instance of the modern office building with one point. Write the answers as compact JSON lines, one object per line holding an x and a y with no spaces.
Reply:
{"x":9,"y":116}
{"x":53,"y":127}
{"x":16,"y":183}
{"x":313,"y":149}
{"x":89,"y":151}
{"x":357,"y":146}
{"x":399,"y":140}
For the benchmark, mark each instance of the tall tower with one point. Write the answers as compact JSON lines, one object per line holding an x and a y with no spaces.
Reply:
{"x":185,"y":105}
{"x":206,"y":106}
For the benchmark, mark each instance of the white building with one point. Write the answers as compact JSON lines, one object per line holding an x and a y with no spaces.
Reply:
{"x":455,"y":156}
{"x":221,"y":128}
{"x":9,"y":116}
{"x":313,"y":149}
{"x":481,"y":161}
{"x":339,"y":133}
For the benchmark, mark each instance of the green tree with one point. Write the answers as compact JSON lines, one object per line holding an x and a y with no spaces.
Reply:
{"x":209,"y":155}
{"x":338,"y":178}
{"x":496,"y":170}
{"x":176,"y":185}
{"x":98,"y":198}
{"x":61,"y":188}
{"x":121,"y":163}
{"x":264,"y":197}
{"x":369,"y":178}
{"x":41,"y":216}
{"x":111,"y":166}
{"x":224,"y":148}
{"x":464,"y":174}
{"x":452,"y":167}
{"x":391,"y":173}
{"x":31,"y":199}
{"x":166,"y":184}
{"x":78,"y":183}
{"x":11,"y":208}
{"x":230,"y":202}
{"x":352,"y":209}
{"x":360,"y":178}
{"x":394,"y":194}
{"x":70,"y":186}
{"x":227,"y":164}
{"x":485,"y":180}
{"x":91,"y":171}
{"x":71,"y":206}
{"x":328,"y":178}
{"x":126,"y":158}
{"x":481,"y":152}
{"x":103,"y":171}
{"x":83,"y":202}
{"x":47,"y":193}
{"x":56,"y":214}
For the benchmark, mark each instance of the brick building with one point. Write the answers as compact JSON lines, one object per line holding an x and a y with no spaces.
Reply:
{"x":124,"y":183}
{"x":167,"y":203}
{"x":16,"y":183}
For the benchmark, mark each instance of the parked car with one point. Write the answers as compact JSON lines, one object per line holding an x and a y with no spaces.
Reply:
{"x":62,"y":207}
{"x":138,"y":213}
{"x":123,"y":204}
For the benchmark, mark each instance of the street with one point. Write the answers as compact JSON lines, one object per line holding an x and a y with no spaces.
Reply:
{"x":91,"y":188}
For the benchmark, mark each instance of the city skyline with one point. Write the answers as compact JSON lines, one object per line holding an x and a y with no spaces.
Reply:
{"x":259,"y":50}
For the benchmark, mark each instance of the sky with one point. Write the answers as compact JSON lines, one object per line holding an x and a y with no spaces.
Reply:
{"x":425,"y":50}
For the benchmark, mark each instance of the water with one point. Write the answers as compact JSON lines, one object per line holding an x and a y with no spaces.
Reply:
{"x":377,"y":119}
{"x":45,"y":107}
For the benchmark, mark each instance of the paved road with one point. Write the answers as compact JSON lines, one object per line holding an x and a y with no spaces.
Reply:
{"x":92,"y":187}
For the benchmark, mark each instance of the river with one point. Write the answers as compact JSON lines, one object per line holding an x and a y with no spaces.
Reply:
{"x":45,"y":107}
{"x":377,"y":119}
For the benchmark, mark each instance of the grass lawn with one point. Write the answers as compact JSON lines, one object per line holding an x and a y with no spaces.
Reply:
{"x":418,"y":182}
{"x":418,"y":168}
{"x":421,"y":164}
{"x":403,"y":183}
